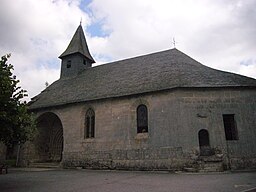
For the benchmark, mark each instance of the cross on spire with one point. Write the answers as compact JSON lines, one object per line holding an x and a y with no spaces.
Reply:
{"x":174,"y":42}
{"x":81,"y":21}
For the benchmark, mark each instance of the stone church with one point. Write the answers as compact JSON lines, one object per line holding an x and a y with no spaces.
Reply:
{"x":160,"y":111}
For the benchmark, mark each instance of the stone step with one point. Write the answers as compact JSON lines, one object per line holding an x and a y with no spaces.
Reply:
{"x":205,"y":166}
{"x":211,"y":167}
{"x":45,"y":165}
{"x":210,"y":159}
{"x":190,"y":169}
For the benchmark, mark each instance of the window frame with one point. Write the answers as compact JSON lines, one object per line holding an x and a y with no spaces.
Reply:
{"x":204,"y":138}
{"x":68,"y":64}
{"x":230,"y":127}
{"x":89,"y":125}
{"x":142,"y":119}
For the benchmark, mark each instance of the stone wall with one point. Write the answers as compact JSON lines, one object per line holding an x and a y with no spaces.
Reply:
{"x":174,"y":120}
{"x":139,"y":159}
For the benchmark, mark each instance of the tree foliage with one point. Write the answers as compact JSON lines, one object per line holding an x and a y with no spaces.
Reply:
{"x":17,"y":125}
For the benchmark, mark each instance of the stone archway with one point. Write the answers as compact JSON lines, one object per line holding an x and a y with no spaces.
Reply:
{"x":49,"y":144}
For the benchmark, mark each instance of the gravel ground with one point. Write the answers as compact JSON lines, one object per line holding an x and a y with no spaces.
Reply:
{"x":42,"y":180}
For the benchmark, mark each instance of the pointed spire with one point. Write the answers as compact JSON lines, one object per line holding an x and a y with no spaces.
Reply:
{"x":78,"y":45}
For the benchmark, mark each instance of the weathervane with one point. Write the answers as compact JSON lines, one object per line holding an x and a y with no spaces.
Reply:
{"x":174,"y":42}
{"x":81,"y":21}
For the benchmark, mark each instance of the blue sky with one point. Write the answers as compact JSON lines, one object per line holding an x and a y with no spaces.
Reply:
{"x":95,"y":28}
{"x":219,"y":34}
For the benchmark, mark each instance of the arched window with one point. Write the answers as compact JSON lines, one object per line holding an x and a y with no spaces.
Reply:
{"x":89,"y":124}
{"x":204,"y":143}
{"x":142,"y":119}
{"x":203,"y":136}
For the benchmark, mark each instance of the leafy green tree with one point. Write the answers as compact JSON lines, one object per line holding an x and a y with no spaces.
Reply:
{"x":17,"y":125}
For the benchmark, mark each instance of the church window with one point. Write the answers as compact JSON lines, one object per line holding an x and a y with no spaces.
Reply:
{"x":89,"y":124}
{"x":203,"y":136}
{"x":69,"y":64}
{"x":230,"y":127}
{"x":142,"y":119}
{"x":84,"y":62}
{"x":204,"y":143}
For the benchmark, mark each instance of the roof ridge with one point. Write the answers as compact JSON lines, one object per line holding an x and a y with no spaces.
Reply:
{"x":141,"y":56}
{"x":163,"y":70}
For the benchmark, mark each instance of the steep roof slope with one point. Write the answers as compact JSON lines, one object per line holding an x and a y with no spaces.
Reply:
{"x":158,"y":71}
{"x":78,"y":45}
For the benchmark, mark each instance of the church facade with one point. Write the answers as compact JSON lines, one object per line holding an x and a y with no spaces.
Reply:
{"x":161,"y":111}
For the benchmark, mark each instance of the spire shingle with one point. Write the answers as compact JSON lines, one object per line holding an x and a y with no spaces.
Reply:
{"x":78,"y":45}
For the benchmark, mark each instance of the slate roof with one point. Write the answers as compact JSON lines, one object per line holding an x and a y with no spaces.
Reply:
{"x":78,"y":45}
{"x":153,"y":72}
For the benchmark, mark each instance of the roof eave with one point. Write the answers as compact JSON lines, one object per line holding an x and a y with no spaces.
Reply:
{"x":134,"y":94}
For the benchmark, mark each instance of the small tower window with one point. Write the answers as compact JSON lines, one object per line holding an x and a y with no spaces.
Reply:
{"x":69,"y":64}
{"x":84,"y":62}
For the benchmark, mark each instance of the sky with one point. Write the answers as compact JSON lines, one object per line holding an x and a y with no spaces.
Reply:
{"x":219,"y":34}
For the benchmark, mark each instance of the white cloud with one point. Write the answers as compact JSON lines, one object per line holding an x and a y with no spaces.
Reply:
{"x":220,"y":34}
{"x":36,"y":33}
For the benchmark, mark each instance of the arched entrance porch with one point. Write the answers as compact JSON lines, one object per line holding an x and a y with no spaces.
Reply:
{"x":49,"y":144}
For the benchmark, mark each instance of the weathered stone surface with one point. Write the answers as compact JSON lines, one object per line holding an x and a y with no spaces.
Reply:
{"x":174,"y":120}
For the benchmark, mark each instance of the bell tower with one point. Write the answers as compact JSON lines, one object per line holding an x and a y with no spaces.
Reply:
{"x":76,"y":57}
